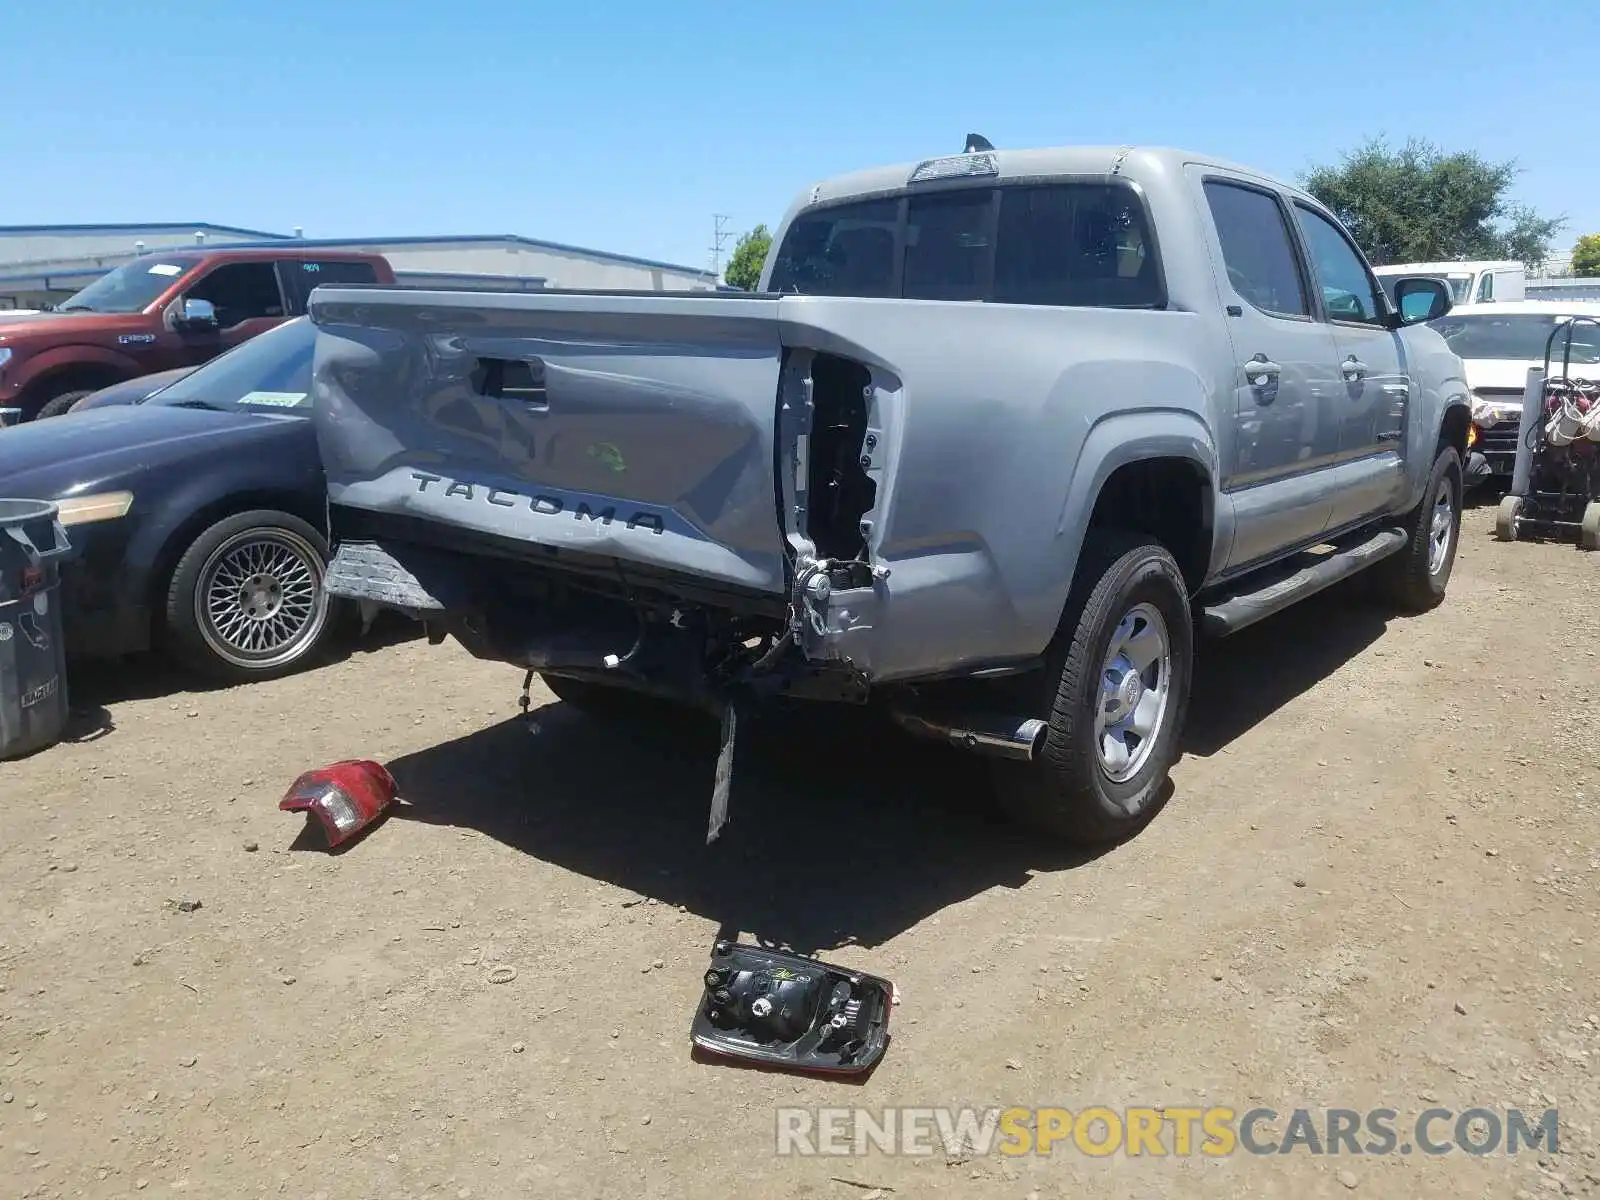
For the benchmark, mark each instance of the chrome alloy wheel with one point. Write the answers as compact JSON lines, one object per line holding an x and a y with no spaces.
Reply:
{"x":1135,"y":685}
{"x":259,"y":601}
{"x":1441,"y":527}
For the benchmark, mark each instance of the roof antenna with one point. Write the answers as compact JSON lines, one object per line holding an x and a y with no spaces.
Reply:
{"x":977,"y":143}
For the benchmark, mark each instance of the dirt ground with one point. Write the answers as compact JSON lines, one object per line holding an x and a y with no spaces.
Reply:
{"x":1375,"y":884}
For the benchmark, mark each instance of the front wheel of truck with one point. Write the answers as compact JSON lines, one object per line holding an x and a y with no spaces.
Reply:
{"x":1117,"y":689}
{"x":1416,"y":577}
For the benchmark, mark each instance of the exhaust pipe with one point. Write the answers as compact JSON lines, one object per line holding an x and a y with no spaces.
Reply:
{"x":1016,"y":738}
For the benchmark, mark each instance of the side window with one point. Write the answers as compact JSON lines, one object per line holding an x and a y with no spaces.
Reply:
{"x":1257,"y":249}
{"x":240,"y":292}
{"x":302,"y":276}
{"x":1486,"y":287}
{"x":1348,"y":292}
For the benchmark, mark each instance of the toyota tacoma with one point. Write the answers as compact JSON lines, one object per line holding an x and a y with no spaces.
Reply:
{"x":1000,"y":432}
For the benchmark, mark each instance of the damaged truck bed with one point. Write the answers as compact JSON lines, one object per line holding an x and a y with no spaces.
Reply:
{"x":990,"y":426}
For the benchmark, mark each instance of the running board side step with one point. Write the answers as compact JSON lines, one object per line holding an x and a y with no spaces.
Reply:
{"x":1288,"y":583}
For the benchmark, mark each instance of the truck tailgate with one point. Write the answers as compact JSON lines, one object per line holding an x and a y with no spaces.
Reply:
{"x":638,"y":427}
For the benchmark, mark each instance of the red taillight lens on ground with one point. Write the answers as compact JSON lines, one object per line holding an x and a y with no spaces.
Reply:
{"x":345,"y":797}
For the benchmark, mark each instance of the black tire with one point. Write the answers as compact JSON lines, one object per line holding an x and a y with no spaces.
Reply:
{"x":60,"y":405}
{"x":1071,"y":791}
{"x":1505,"y":518}
{"x":620,"y":705}
{"x":1414,"y":579}
{"x":286,"y":612}
{"x":1589,"y":527}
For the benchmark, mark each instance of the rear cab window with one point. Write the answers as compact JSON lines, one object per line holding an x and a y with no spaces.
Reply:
{"x":1065,"y":244}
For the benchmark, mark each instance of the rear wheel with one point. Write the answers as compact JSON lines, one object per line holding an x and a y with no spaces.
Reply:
{"x":246,"y":599}
{"x":60,"y":404}
{"x":1117,"y":691}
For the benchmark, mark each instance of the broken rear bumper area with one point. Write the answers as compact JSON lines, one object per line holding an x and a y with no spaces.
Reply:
{"x":641,"y":629}
{"x":624,"y":625}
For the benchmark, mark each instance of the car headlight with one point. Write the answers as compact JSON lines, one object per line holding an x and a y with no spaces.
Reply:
{"x":1488,"y":414}
{"x":5,"y":355}
{"x":102,"y":506}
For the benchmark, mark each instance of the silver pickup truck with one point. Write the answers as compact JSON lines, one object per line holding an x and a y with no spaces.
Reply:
{"x":999,"y":433}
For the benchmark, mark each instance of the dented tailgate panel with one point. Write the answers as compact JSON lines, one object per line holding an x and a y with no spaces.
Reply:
{"x":651,"y":439}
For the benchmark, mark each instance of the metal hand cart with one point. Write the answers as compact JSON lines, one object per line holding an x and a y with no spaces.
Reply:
{"x":1555,"y":484}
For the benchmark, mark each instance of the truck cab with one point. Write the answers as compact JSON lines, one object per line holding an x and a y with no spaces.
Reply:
{"x":161,"y":311}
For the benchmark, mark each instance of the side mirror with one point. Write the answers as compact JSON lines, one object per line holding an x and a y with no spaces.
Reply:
{"x":198,"y":314}
{"x":1419,"y":299}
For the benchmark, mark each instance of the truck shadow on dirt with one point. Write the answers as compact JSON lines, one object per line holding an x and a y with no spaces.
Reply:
{"x":1242,"y":680}
{"x":842,"y":830}
{"x":836,"y":835}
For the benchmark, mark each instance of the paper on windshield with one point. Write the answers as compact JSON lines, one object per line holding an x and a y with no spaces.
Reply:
{"x":274,"y":399}
{"x":166,"y":269}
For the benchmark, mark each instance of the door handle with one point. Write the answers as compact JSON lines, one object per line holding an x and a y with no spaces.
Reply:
{"x":1353,"y":368}
{"x":1261,"y":370}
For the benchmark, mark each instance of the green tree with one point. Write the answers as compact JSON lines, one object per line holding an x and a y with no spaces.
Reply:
{"x":1421,"y":204}
{"x":749,"y":256}
{"x":1586,"y":255}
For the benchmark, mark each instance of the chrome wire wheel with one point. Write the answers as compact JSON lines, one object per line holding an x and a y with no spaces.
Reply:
{"x":1441,"y":527}
{"x":1135,"y":685}
{"x":259,"y":602}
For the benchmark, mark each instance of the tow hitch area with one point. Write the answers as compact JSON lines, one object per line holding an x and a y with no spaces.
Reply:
{"x":788,"y":1011}
{"x":345,"y":797}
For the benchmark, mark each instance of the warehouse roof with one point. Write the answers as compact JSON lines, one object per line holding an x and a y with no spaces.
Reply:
{"x":258,"y":238}
{"x":139,"y":227}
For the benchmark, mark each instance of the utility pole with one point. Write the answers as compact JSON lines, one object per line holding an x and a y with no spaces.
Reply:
{"x":719,"y":236}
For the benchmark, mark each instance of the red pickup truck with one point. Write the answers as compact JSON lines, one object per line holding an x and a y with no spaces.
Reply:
{"x":170,"y":309}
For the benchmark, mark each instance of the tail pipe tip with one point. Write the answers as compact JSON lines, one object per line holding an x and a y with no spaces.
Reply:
{"x":1012,"y":737}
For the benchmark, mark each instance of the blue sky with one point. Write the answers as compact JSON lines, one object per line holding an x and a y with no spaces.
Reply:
{"x":625,"y":125}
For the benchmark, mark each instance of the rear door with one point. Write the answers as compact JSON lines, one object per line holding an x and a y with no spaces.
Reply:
{"x":1285,"y":381}
{"x":1374,"y":386}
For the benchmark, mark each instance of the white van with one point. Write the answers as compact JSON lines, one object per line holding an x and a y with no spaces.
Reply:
{"x":1469,"y":282}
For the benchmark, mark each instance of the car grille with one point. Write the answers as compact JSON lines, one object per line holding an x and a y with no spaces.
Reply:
{"x":1501,"y":437}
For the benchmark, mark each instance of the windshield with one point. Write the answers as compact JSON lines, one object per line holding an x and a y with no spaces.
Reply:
{"x":1520,"y":336}
{"x":270,"y":371}
{"x":1076,"y":244}
{"x":132,"y":287}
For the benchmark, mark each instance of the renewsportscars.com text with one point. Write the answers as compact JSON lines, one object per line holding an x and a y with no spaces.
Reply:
{"x":1212,"y":1131}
